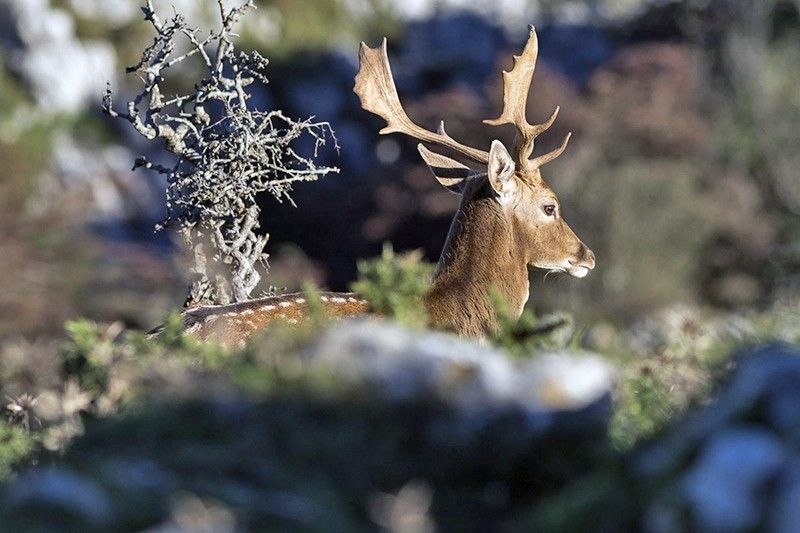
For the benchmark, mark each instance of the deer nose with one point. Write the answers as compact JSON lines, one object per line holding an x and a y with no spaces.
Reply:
{"x":584,"y":257}
{"x":589,"y":258}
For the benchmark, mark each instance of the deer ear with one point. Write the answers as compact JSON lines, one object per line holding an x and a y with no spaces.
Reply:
{"x":501,"y":171}
{"x":450,"y":173}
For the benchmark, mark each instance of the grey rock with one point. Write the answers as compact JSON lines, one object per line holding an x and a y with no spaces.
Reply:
{"x":401,"y":364}
{"x":785,"y":511}
{"x":62,"y":489}
{"x":138,"y":473}
{"x":770,"y":373}
{"x":724,"y":487}
{"x":734,"y":465}
{"x":565,"y":380}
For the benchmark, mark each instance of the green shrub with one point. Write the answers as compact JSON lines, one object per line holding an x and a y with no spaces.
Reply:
{"x":394,"y":285}
{"x":17,"y":447}
{"x":86,"y":354}
{"x":524,"y":335}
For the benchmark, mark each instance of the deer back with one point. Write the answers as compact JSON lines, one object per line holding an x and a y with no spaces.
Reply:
{"x":233,"y":325}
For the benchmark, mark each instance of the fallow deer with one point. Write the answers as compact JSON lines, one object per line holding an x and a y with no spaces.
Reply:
{"x":508,"y":219}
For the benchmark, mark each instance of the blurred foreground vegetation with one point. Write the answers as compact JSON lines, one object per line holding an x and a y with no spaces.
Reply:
{"x":213,"y":431}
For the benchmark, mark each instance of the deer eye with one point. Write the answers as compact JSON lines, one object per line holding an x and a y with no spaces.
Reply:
{"x":549,"y":210}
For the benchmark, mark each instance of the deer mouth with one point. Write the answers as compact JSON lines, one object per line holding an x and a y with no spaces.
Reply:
{"x":577,"y":271}
{"x":573,"y":268}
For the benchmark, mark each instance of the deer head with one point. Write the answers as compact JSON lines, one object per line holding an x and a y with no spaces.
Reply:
{"x":513,"y":197}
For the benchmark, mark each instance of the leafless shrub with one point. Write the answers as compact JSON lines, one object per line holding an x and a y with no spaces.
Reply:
{"x":226,"y":153}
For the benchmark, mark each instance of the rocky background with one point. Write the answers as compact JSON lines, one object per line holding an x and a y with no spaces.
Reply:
{"x":681,"y":176}
{"x":659,"y":393}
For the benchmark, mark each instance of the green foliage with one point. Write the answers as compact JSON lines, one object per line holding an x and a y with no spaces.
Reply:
{"x":171,"y":340}
{"x":86,"y":354}
{"x":171,"y":333}
{"x":395,"y":284}
{"x":644,"y":406}
{"x":303,"y":26}
{"x":658,"y":385}
{"x":525,"y":335}
{"x":567,"y":511}
{"x":24,"y":154}
{"x":12,"y":96}
{"x":16,"y":448}
{"x":316,"y":317}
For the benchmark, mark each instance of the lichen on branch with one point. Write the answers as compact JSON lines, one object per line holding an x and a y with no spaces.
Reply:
{"x":224,"y":151}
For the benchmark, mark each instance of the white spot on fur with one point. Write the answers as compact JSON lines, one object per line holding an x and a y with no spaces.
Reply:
{"x":285,"y":304}
{"x":323,"y":298}
{"x":301,"y":300}
{"x":338,"y":300}
{"x":292,"y":321}
{"x":267,"y":308}
{"x":247,"y":312}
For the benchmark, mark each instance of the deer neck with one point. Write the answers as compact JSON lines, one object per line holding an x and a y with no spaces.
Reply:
{"x":481,"y":254}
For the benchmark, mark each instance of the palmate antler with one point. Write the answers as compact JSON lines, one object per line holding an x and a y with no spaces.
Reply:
{"x":378,"y":94}
{"x":516,"y":85}
{"x":376,"y":89}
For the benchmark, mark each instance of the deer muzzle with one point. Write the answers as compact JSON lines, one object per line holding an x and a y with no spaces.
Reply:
{"x":583,"y":262}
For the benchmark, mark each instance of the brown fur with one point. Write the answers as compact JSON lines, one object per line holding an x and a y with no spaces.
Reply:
{"x":235,"y":324}
{"x":479,"y":254}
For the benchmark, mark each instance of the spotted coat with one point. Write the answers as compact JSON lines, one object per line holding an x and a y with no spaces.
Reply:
{"x":235,"y":324}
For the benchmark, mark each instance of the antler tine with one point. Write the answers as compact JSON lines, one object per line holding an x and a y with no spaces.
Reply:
{"x":376,"y":89}
{"x":538,"y":161}
{"x":516,"y":86}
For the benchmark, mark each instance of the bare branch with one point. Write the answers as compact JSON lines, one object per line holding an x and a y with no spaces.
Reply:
{"x":221,"y":162}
